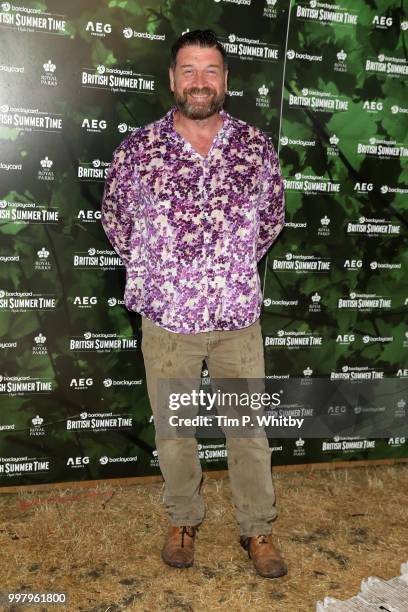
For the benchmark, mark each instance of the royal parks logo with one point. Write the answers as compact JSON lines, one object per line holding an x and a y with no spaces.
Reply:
{"x":30,"y":19}
{"x":388,"y":66}
{"x":262,"y":98}
{"x":301,"y":264}
{"x":30,"y":119}
{"x":249,"y":48}
{"x":364,"y":302}
{"x":384,"y":149}
{"x":95,"y":170}
{"x":321,"y":101}
{"x":102,"y":343}
{"x":117,"y":80}
{"x":270,"y":9}
{"x":49,"y":76}
{"x":326,"y":13}
{"x":340,"y":64}
{"x":26,"y":301}
{"x":97,"y":259}
{"x":46,"y":170}
{"x":25,"y":385}
{"x":42,"y":260}
{"x":372,"y":227}
{"x":311,"y":184}
{"x":39,"y":347}
{"x":24,"y":213}
{"x":294,"y":339}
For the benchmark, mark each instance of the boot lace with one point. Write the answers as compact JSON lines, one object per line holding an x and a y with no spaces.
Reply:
{"x":190,"y":531}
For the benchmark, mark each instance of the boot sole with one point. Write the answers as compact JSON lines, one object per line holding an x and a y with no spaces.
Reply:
{"x":178,"y":564}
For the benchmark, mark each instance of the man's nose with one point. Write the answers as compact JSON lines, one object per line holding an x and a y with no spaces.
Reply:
{"x":200,"y":80}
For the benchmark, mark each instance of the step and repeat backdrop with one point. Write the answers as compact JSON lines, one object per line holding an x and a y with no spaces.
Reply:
{"x":326,"y":81}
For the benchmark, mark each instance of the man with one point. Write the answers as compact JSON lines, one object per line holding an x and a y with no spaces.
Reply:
{"x":192,"y":202}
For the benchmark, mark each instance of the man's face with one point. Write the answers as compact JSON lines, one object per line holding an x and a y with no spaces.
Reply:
{"x":199,"y":82}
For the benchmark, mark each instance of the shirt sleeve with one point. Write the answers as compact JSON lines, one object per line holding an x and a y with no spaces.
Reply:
{"x":119,"y":202}
{"x":271,"y":205}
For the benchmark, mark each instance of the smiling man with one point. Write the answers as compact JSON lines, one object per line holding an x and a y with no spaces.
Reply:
{"x":192,"y":202}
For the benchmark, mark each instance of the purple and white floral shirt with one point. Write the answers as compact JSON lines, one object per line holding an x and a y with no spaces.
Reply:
{"x":191,"y":229}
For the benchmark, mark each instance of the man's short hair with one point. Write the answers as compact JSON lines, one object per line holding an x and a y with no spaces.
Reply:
{"x":201,"y":38}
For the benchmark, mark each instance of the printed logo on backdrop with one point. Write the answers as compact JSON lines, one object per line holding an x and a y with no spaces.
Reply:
{"x":324,"y":228}
{"x":129,"y":32}
{"x":345,"y":339}
{"x":249,"y":48}
{"x":395,"y":109}
{"x":39,"y":346}
{"x":81,"y":384}
{"x":97,"y":258}
{"x":367,"y":339}
{"x":268,"y":302}
{"x":301,"y":264}
{"x":295,"y":142}
{"x":46,"y":172}
{"x":385,"y":149}
{"x":124,"y":128}
{"x":262,"y":99}
{"x":311,"y":184}
{"x":238,"y":2}
{"x":9,"y":258}
{"x":399,"y":410}
{"x":291,"y":54}
{"x":100,"y":421}
{"x":322,"y":101}
{"x":365,"y":302}
{"x":333,"y":149}
{"x":271,"y":9}
{"x":30,"y":119}
{"x":77,"y":462}
{"x":104,"y":460}
{"x":36,"y":428}
{"x":98,"y":28}
{"x":122,"y":382}
{"x":387,"y":189}
{"x":347,"y":446}
{"x":42,"y":260}
{"x":340,"y":62}
{"x":20,"y":466}
{"x":25,"y":385}
{"x":363,"y":187}
{"x":402,"y":373}
{"x":7,"y":167}
{"x":347,"y":372}
{"x":30,"y":19}
{"x":294,"y":339}
{"x":373,"y":227}
{"x":326,"y":13}
{"x":88,"y":215}
{"x":11,"y":69}
{"x":117,"y":80}
{"x":300,"y":448}
{"x":382,"y":22}
{"x":101,"y":343}
{"x":372,"y":106}
{"x":315,"y":304}
{"x":235,"y":93}
{"x":48,"y":76}
{"x":26,"y":301}
{"x":397,"y":441}
{"x":95,"y":170}
{"x":94,"y":126}
{"x":24,"y":213}
{"x":389,"y":66}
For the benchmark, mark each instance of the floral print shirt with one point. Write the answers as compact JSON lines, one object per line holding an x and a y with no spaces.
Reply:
{"x":191,"y":229}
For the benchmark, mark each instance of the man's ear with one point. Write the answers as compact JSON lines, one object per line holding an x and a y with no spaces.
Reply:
{"x":171,"y":78}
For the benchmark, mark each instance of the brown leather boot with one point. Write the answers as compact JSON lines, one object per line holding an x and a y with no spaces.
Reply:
{"x":178,"y":549}
{"x":266,"y":557}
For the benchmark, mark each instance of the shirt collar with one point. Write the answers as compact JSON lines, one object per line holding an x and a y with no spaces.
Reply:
{"x":167,"y":127}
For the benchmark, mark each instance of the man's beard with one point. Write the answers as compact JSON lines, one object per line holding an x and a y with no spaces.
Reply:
{"x":199,"y":111}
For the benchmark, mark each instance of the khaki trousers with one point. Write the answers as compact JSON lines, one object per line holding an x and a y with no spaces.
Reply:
{"x":228,"y":354}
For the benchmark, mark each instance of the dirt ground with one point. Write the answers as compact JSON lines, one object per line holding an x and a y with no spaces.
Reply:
{"x":101,"y":545}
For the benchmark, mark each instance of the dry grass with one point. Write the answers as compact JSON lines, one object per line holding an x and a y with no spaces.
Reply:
{"x":102,"y":545}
